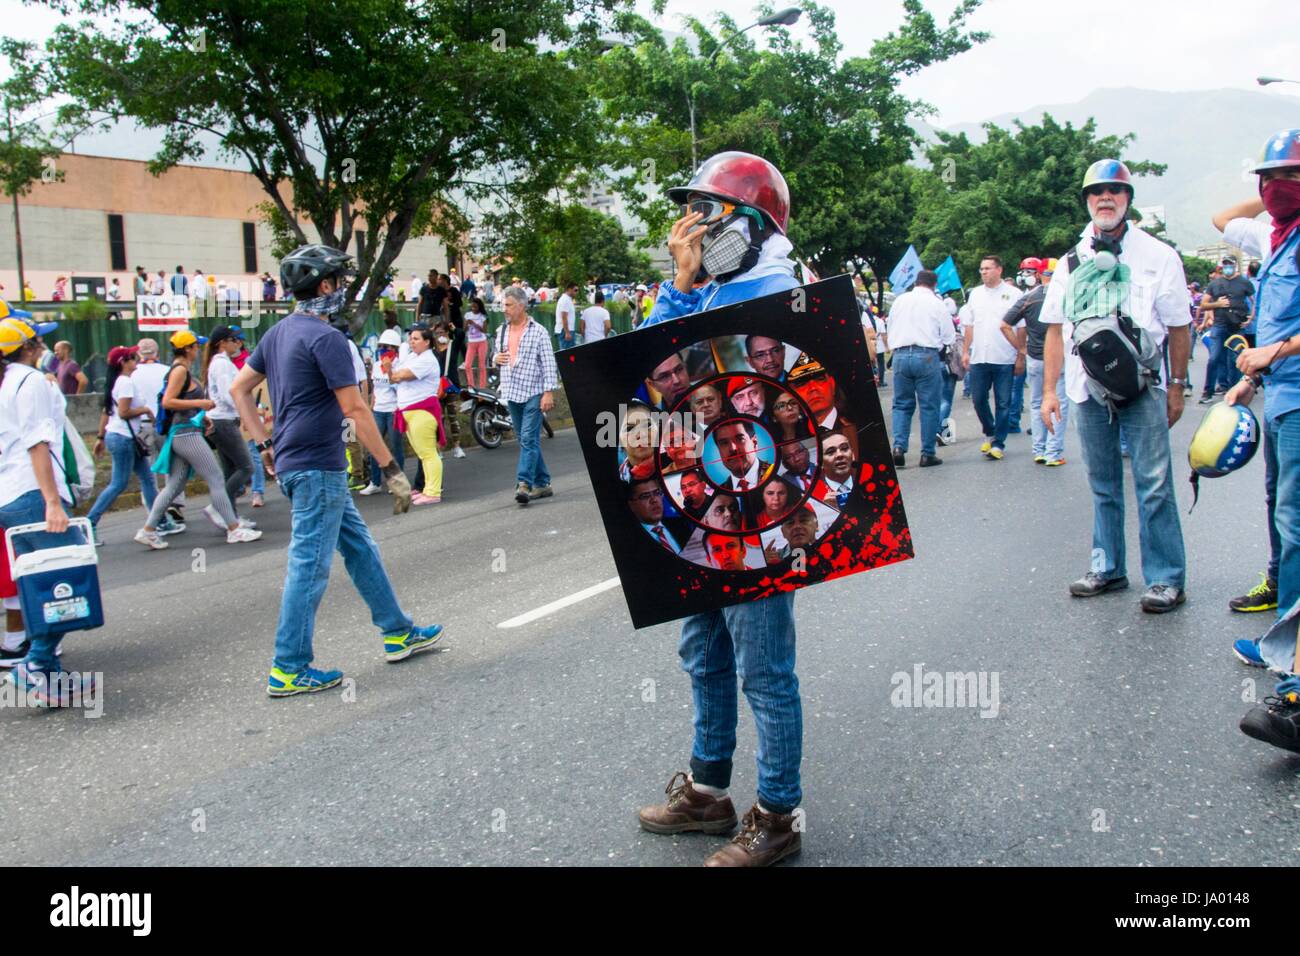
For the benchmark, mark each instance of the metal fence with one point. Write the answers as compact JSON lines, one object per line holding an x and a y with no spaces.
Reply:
{"x":91,"y":339}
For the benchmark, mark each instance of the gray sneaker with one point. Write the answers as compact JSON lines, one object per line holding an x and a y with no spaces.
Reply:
{"x":546,"y":491}
{"x":1092,"y":584}
{"x":1162,"y":598}
{"x":523,"y":493}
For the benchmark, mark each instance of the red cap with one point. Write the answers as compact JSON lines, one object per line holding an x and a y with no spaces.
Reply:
{"x":120,"y":353}
{"x":736,"y":384}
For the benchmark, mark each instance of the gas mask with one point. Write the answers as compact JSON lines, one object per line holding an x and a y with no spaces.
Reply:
{"x":1107,"y":251}
{"x":1027,"y":280}
{"x":727,"y":249}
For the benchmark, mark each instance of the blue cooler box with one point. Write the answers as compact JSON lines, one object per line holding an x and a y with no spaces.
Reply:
{"x":57,"y":577}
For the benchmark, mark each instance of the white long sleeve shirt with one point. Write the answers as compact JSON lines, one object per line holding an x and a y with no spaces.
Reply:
{"x":919,"y":317}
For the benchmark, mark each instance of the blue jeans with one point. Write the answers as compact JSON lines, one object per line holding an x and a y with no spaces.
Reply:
{"x":527,"y":419}
{"x":1270,"y":501}
{"x":1146,"y":427}
{"x":29,"y":508}
{"x":324,"y":518}
{"x":1279,"y":644}
{"x":946,"y":392}
{"x":1216,"y":366}
{"x":396,"y":443}
{"x":564,"y":341}
{"x":1050,"y":445}
{"x":983,"y":376}
{"x":918,"y":379}
{"x":1017,"y":401}
{"x":126,"y":459}
{"x":259,"y":470}
{"x":756,"y":641}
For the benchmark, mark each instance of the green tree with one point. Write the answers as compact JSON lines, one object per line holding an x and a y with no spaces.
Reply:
{"x":1017,"y":194}
{"x":1198,"y":269}
{"x":355,"y":115}
{"x":832,"y":125}
{"x":571,"y":243}
{"x":27,"y":151}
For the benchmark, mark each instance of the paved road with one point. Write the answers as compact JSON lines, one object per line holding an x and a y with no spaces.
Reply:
{"x":536,"y":744}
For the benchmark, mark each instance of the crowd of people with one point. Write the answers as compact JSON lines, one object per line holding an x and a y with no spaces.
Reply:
{"x":1102,"y":334}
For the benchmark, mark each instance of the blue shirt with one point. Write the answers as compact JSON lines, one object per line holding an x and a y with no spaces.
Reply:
{"x":304,"y":360}
{"x":1278,"y":311}
{"x":673,"y":304}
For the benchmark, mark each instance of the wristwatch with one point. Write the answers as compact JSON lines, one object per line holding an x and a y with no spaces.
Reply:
{"x":263,"y":445}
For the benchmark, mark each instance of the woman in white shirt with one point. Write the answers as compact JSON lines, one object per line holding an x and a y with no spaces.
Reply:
{"x":418,"y":378}
{"x":32,"y":489}
{"x":476,"y":322}
{"x":123,"y":412}
{"x":223,"y":420}
{"x":385,"y":405}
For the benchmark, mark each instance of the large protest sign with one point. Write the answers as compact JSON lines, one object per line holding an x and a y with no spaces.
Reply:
{"x":738,"y":453}
{"x":162,"y":313}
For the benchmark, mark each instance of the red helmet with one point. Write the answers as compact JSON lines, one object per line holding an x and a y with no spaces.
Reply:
{"x":1031,"y":263}
{"x":741,"y":178}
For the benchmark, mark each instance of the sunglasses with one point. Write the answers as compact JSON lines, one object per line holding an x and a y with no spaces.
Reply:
{"x":1112,"y":189}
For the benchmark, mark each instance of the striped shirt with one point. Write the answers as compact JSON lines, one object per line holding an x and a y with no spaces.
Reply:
{"x":533,"y":369}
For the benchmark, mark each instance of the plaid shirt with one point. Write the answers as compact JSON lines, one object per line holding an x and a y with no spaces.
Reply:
{"x":533,"y":371}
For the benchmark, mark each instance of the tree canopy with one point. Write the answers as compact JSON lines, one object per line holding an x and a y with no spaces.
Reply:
{"x":836,"y":127}
{"x":1017,"y":194}
{"x":359,"y":116}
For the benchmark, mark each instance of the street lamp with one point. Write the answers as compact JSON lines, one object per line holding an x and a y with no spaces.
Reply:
{"x":787,"y":17}
{"x":1266,"y":80}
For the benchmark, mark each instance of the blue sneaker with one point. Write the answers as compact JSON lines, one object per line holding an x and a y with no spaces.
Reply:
{"x":1247,"y":651}
{"x":399,"y":647}
{"x":308,"y":681}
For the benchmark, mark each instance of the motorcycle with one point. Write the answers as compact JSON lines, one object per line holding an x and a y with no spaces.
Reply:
{"x":489,"y":416}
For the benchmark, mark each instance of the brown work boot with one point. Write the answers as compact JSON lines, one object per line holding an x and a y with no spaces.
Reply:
{"x":764,"y":839}
{"x":688,"y":810}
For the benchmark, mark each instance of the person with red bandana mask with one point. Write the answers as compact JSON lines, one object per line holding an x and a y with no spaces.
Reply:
{"x":732,"y":233}
{"x":1274,"y":364}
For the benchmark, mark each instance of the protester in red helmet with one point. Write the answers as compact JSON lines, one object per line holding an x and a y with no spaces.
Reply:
{"x":732,"y":233}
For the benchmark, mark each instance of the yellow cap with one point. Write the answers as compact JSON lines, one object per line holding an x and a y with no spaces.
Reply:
{"x":12,"y":336}
{"x":185,"y":338}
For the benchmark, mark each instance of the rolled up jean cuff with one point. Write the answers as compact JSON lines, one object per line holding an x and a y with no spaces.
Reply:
{"x":711,"y":773}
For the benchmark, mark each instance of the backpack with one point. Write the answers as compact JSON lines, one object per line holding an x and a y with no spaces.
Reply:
{"x":164,"y":421}
{"x":1120,"y":359}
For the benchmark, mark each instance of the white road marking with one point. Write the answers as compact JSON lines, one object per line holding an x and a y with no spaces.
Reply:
{"x":563,"y":602}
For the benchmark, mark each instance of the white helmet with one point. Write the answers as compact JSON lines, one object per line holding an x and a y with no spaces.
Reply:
{"x":390,"y":337}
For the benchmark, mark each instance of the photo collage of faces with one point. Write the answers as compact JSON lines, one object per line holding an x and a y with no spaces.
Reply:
{"x":736,"y":451}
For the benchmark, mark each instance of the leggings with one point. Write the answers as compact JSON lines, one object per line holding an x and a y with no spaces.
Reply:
{"x":232,"y":451}
{"x":476,"y":354}
{"x":189,"y":450}
{"x":423,"y":430}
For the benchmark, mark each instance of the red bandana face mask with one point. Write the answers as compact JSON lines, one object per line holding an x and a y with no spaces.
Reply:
{"x":1282,"y":200}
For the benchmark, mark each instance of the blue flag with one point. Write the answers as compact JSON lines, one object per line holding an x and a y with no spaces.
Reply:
{"x":948,"y":278}
{"x":904,"y":274}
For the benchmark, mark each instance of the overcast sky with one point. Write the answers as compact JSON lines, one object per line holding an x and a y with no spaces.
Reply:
{"x":1040,"y":52}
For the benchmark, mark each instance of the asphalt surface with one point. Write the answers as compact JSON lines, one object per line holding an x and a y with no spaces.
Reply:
{"x":1115,"y":739}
